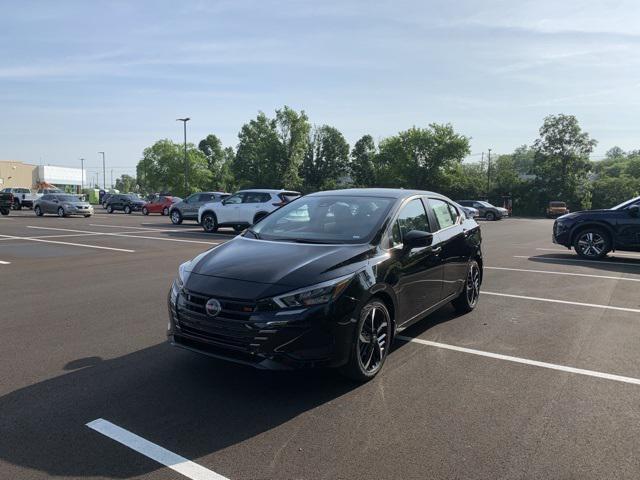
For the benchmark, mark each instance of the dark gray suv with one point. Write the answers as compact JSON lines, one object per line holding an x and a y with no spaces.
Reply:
{"x":488,"y":211}
{"x":187,"y":209}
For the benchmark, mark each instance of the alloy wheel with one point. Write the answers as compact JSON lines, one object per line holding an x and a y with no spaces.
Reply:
{"x":591,"y":244}
{"x":473,"y":285}
{"x":175,"y":217}
{"x":372,"y":339}
{"x":208,"y":223}
{"x":61,"y":212}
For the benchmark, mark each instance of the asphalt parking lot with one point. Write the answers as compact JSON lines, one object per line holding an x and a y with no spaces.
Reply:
{"x":542,"y":380}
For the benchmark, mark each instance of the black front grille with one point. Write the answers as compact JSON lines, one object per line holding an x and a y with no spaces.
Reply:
{"x":229,"y":329}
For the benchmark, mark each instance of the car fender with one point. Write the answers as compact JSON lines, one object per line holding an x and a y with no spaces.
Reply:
{"x":579,"y":225}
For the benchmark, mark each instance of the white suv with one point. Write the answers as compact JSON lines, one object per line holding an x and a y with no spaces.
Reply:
{"x":242,"y":209}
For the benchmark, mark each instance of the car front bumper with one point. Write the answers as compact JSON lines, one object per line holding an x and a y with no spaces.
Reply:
{"x":561,"y":234}
{"x":275,"y":340}
{"x":79,"y":211}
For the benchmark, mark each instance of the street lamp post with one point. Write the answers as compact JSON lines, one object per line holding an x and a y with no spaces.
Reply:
{"x":186,"y":162}
{"x":104,"y":173}
{"x":488,"y":174}
{"x":82,"y":175}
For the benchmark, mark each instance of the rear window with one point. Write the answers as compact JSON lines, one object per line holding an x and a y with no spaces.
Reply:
{"x":557,"y":204}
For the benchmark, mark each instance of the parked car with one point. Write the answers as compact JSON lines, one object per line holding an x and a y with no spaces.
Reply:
{"x":187,"y":209}
{"x":328,"y":280}
{"x":126,"y":202}
{"x":470,"y":212}
{"x":159,"y":205}
{"x":243,"y":208}
{"x":62,"y":204}
{"x":22,"y":197}
{"x":105,"y":199}
{"x":555,"y":209}
{"x":485,"y":209}
{"x":6,"y":203}
{"x":594,"y":233}
{"x":43,"y":191}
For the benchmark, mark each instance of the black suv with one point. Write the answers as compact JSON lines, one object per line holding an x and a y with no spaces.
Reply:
{"x":594,"y":233}
{"x":127,"y":203}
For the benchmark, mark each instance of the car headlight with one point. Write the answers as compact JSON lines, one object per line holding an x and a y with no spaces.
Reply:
{"x":67,"y":205}
{"x":315,"y":294}
{"x":183,"y":274}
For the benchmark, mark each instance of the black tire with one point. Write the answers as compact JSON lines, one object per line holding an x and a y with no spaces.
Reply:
{"x":109,"y":209}
{"x":145,"y":211}
{"x":176,"y":217}
{"x":490,"y":216}
{"x":4,"y":211}
{"x":239,"y":228}
{"x":592,"y":243}
{"x":87,"y":216}
{"x":367,"y":356}
{"x":209,"y":222}
{"x":259,"y":216}
{"x":104,"y":205}
{"x":165,"y":211}
{"x":468,"y":298}
{"x":127,"y":209}
{"x":61,"y":212}
{"x":37,"y":210}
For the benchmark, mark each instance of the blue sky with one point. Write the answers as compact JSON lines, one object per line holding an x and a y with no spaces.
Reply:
{"x":81,"y":77}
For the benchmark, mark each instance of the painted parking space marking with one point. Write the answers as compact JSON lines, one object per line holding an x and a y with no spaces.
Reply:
{"x":2,"y":262}
{"x":525,"y":361}
{"x":174,"y":229}
{"x":576,"y":260}
{"x":606,"y":277}
{"x":56,"y":242}
{"x":565,"y":302}
{"x":155,"y":452}
{"x":616,"y":254}
{"x":127,"y":235}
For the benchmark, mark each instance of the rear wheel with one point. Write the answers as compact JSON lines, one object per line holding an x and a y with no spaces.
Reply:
{"x":165,"y":211}
{"x":145,"y":211}
{"x":490,"y":216}
{"x":37,"y":211}
{"x":209,"y":222}
{"x":371,"y":343}
{"x":109,"y":209}
{"x":239,"y":228}
{"x":470,"y":294}
{"x":592,"y":243}
{"x":4,"y":211}
{"x":176,"y":217}
{"x":259,"y":216}
{"x":127,"y":209}
{"x":60,"y":212}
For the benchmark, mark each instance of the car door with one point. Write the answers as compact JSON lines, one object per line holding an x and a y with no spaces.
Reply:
{"x":52,"y":204}
{"x":628,"y":229}
{"x":418,"y":272}
{"x":228,"y":210}
{"x":253,"y":203}
{"x":190,"y":206}
{"x":450,"y":236}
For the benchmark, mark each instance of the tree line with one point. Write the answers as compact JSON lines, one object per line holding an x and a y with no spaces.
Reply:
{"x":287,"y":151}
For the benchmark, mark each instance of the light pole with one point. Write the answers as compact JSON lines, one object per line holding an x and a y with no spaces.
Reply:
{"x":104,"y":173}
{"x":186,"y":163}
{"x":82,"y":175}
{"x":488,"y":174}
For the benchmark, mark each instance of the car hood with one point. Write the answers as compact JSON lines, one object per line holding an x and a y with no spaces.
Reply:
{"x":283,"y":263}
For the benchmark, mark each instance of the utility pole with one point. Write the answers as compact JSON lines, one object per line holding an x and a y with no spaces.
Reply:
{"x":82,"y":174}
{"x":104,"y":173}
{"x":112,"y":178}
{"x":488,"y":174}
{"x":186,"y":162}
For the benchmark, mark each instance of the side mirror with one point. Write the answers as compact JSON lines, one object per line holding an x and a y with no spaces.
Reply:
{"x":417,"y":239}
{"x":634,"y":210}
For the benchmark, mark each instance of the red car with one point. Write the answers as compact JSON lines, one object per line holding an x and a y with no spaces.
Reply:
{"x":160,"y":205}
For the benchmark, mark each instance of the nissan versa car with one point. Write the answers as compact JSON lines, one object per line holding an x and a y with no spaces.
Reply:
{"x":62,"y":204}
{"x":594,"y":233}
{"x":328,"y":280}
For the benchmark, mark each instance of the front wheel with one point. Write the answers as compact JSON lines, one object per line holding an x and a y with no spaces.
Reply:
{"x":176,"y":217}
{"x":109,"y":209}
{"x":209,"y":223}
{"x":145,"y":211}
{"x":468,"y":298}
{"x":127,"y":209}
{"x":61,"y":212}
{"x":490,"y":216}
{"x":37,"y":211}
{"x":592,"y":243}
{"x":371,"y":342}
{"x":4,"y":211}
{"x":165,"y":211}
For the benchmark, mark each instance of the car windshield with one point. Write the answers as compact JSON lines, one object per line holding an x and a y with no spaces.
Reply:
{"x":325,"y":219}
{"x":67,"y":198}
{"x":626,"y":203}
{"x":133,"y":196}
{"x":557,"y":204}
{"x":486,"y":204}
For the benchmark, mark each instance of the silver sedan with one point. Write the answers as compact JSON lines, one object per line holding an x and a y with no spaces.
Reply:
{"x":63,"y":205}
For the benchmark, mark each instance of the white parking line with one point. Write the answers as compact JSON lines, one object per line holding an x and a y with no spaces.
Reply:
{"x":564,"y":250}
{"x":175,"y":229}
{"x":35,"y":239}
{"x":131,"y":235}
{"x":608,"y":277}
{"x":525,"y":361}
{"x":149,"y":449}
{"x":566,"y":302}
{"x":575,"y":260}
{"x":2,"y":262}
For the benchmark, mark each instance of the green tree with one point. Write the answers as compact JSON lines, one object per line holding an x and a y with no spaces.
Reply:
{"x":363,"y":166}
{"x":211,"y":147}
{"x":293,"y":132}
{"x":162,"y":168}
{"x":610,"y":191}
{"x":561,"y":162}
{"x":126,"y":183}
{"x":421,"y":157}
{"x":326,"y":160}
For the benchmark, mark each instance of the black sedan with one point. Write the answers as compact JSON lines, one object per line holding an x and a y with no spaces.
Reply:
{"x":328,"y":280}
{"x":126,"y":202}
{"x":594,"y":233}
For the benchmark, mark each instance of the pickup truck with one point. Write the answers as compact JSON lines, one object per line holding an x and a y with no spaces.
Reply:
{"x":6,"y":202}
{"x":22,"y":197}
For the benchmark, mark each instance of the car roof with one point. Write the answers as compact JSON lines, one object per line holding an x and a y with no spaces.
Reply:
{"x":377,"y":192}
{"x":266,"y":190}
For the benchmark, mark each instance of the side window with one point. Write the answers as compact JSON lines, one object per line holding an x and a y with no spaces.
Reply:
{"x":206,"y":197}
{"x":411,"y":217}
{"x":234,"y":199}
{"x":443,"y":212}
{"x":256,"y":197}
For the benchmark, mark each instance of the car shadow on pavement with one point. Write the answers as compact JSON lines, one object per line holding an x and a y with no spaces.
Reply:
{"x":189,"y":404}
{"x":610,"y":264}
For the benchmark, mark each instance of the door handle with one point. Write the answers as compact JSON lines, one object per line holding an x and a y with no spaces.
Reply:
{"x":436,"y":250}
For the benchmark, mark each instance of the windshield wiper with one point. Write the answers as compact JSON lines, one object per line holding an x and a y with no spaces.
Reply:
{"x":305,"y":240}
